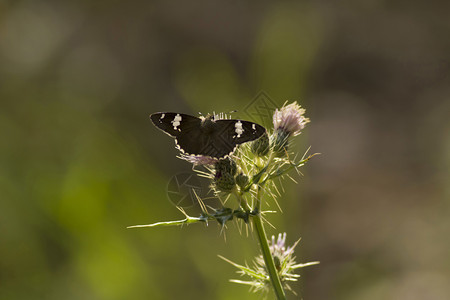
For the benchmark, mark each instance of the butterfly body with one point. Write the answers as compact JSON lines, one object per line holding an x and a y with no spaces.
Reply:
{"x":207,"y":136}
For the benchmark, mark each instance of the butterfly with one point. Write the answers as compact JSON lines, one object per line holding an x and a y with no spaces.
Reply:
{"x":206,"y":136}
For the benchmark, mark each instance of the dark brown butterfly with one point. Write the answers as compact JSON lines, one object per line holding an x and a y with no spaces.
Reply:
{"x":207,"y":136}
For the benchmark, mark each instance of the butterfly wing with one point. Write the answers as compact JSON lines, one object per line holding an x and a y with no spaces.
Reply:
{"x":186,"y":130}
{"x":227,"y":136}
{"x":194,"y":142}
{"x":239,"y":131}
{"x":174,"y":124}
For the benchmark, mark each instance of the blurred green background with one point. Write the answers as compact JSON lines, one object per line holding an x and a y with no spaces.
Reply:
{"x":80,"y":160}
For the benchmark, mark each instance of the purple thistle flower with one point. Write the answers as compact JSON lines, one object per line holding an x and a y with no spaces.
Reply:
{"x":290,"y":119}
{"x":278,"y":247}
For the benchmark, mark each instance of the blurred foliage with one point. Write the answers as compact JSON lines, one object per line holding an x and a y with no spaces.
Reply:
{"x":80,"y":161}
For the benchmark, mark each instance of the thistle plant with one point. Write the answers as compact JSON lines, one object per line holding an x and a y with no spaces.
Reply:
{"x":252,"y":175}
{"x":285,"y":265}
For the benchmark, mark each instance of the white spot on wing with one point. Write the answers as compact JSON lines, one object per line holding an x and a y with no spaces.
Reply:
{"x":176,"y":121}
{"x":162,"y":116}
{"x":239,"y":130}
{"x":253,"y":126}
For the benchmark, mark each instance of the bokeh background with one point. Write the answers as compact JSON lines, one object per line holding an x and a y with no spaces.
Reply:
{"x":80,"y":160}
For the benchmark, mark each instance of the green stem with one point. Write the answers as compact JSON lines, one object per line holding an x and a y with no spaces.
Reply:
{"x":242,"y":202}
{"x":267,"y":255}
{"x":268,"y":259}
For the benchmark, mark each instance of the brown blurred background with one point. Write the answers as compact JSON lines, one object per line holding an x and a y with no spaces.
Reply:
{"x":80,"y":160}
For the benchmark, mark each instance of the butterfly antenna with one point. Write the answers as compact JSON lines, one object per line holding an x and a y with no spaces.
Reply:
{"x":232,"y":112}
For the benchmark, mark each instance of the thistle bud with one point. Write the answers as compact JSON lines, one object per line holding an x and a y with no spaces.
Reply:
{"x":285,"y":264}
{"x":224,"y":181}
{"x":260,"y":147}
{"x":226,"y":165}
{"x":280,"y":142}
{"x":241,"y":180}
